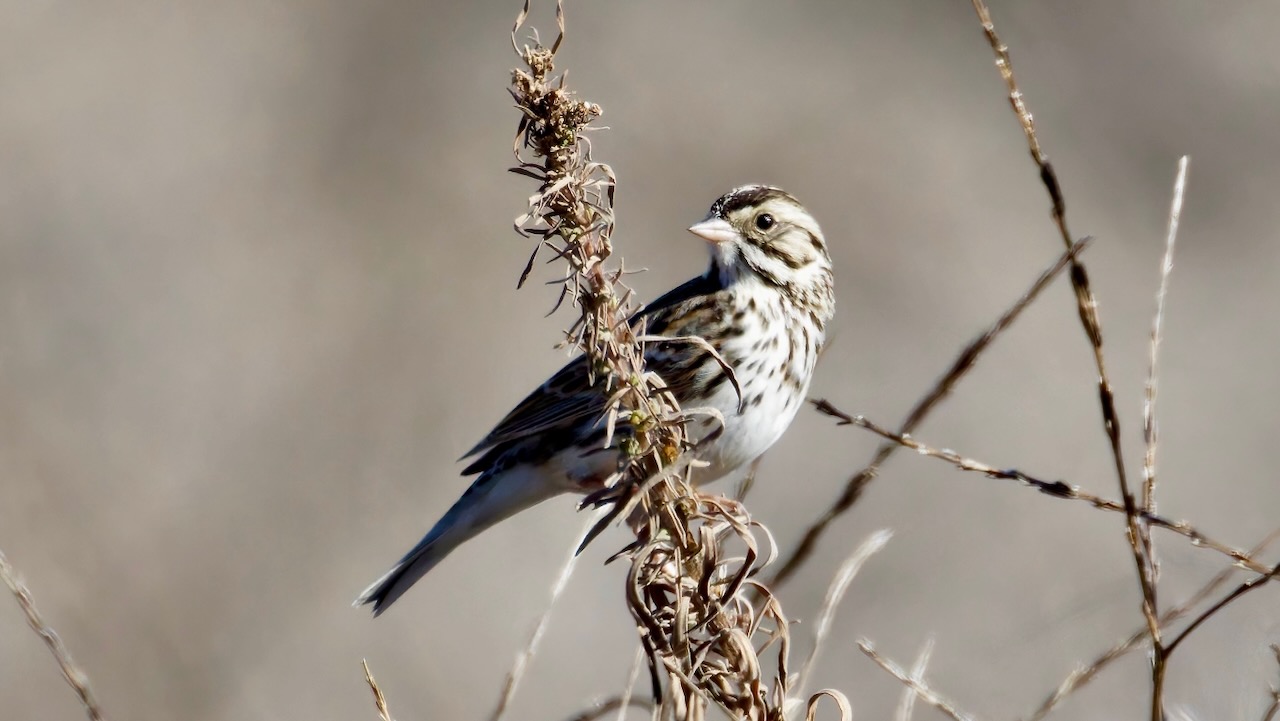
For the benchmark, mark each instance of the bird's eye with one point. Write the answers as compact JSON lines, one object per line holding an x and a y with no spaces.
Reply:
{"x":764,"y":221}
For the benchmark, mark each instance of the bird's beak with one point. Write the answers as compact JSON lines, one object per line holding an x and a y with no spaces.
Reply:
{"x":714,"y":230}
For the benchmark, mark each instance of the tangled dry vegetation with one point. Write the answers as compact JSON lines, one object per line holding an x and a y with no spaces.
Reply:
{"x":704,"y":620}
{"x":711,"y":633}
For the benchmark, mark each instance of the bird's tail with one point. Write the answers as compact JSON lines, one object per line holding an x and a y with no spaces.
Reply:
{"x":492,"y":498}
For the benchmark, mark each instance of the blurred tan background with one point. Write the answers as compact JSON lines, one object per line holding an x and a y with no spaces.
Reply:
{"x":257,"y":293}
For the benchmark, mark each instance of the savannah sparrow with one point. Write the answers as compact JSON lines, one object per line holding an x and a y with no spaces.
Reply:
{"x":763,"y":305}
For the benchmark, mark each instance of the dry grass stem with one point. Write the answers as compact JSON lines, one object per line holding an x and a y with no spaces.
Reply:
{"x":917,"y":686}
{"x":1087,"y":306}
{"x":1236,"y":594}
{"x":959,"y":367}
{"x":694,"y":557}
{"x":1150,"y":431}
{"x":1082,"y":675}
{"x":1151,"y":567}
{"x":526,"y":654}
{"x":1055,"y":489}
{"x":379,"y":700}
{"x":835,"y":593}
{"x":906,"y":707}
{"x":74,"y":676}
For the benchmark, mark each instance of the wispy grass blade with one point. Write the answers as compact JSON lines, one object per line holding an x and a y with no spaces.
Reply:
{"x":907,"y":705}
{"x":919,"y":687}
{"x":835,"y":593}
{"x":521,"y":665}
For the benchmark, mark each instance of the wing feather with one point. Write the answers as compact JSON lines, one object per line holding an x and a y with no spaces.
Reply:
{"x":566,"y":398}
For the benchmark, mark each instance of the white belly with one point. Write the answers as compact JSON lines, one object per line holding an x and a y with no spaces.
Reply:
{"x":769,"y":405}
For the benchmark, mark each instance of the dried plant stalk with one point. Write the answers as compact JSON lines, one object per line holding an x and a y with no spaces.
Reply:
{"x":1087,"y":305}
{"x":919,"y":687}
{"x":1237,"y":593}
{"x":1081,"y":676}
{"x":74,"y":676}
{"x":687,"y":590}
{"x":1055,"y":489}
{"x":1150,"y":431}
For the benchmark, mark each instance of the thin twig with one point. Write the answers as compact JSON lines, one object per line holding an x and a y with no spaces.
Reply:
{"x":1087,"y":306}
{"x":1241,"y":590}
{"x":839,"y":585}
{"x":378,"y":699}
{"x":74,"y":676}
{"x":921,"y":689}
{"x":1084,"y":674}
{"x":516,"y":674}
{"x":1056,"y":489}
{"x":906,"y":707}
{"x":959,"y":367}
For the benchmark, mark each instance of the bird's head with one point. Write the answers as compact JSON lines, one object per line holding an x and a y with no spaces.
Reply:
{"x":762,"y":233}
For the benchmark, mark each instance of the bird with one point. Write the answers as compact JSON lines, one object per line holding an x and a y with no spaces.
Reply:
{"x":763,"y":304}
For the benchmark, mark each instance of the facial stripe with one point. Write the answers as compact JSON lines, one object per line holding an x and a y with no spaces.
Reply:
{"x":817,"y":243}
{"x":759,"y":269}
{"x":748,"y":196}
{"x":788,"y":259}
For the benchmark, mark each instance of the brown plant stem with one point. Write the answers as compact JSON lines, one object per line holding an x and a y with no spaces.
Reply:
{"x":1236,"y":594}
{"x":1083,"y":675}
{"x":689,"y":580}
{"x":1056,"y":489}
{"x":1087,"y":306}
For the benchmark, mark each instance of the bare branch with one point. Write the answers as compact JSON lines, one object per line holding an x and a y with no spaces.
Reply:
{"x":1241,"y":590}
{"x":1056,"y":489}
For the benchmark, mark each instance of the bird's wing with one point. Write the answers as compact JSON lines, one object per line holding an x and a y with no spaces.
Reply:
{"x":566,"y":398}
